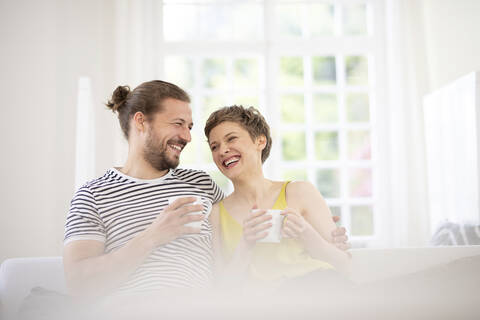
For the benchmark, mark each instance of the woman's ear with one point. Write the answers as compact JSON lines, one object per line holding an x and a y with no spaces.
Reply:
{"x":261,"y":142}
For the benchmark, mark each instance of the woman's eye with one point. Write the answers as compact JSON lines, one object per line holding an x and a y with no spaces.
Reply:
{"x":231,"y":138}
{"x":213,"y":148}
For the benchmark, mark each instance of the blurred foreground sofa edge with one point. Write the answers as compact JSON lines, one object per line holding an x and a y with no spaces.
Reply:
{"x":19,"y":275}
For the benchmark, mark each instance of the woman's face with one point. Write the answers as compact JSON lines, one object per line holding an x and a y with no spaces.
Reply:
{"x":233,"y":150}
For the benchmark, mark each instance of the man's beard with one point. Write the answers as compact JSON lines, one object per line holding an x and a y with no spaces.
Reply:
{"x":155,"y":154}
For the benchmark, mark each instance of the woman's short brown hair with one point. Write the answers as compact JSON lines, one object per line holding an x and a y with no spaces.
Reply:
{"x":249,"y":118}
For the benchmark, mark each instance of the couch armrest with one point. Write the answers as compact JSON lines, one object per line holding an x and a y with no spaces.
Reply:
{"x":19,"y":275}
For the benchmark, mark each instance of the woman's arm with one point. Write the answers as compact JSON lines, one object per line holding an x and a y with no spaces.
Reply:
{"x":313,"y":225}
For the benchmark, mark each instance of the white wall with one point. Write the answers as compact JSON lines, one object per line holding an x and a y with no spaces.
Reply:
{"x":452,"y":39}
{"x":45,"y":46}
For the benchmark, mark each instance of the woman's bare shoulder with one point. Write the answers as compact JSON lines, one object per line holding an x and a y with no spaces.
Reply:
{"x":300,"y":187}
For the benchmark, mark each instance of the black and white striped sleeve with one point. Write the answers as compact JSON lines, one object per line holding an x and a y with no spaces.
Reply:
{"x":217,"y":193}
{"x":83,"y":221}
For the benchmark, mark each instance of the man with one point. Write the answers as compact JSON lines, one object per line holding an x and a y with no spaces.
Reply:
{"x":121,"y":234}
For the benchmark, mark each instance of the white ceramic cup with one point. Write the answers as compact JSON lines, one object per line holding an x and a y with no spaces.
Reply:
{"x":207,"y":208}
{"x":274,"y":232}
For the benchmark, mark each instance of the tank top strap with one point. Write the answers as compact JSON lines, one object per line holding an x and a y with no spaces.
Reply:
{"x":225,"y":218}
{"x":281,"y":202}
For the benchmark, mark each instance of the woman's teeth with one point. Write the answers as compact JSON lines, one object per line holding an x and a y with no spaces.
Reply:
{"x":228,"y":162}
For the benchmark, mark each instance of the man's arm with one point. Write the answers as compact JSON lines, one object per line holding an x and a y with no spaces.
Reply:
{"x":89,"y":271}
{"x":339,"y":236}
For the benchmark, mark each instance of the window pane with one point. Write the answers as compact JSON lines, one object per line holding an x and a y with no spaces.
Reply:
{"x":357,"y":70}
{"x":214,"y":73}
{"x":326,"y":145}
{"x":355,"y":19}
{"x":174,"y":31}
{"x":291,"y":71}
{"x":179,"y":70}
{"x":337,"y":211}
{"x":360,"y":182}
{"x":359,"y":145}
{"x":293,"y":110}
{"x":293,"y":146}
{"x":325,"y":108}
{"x":289,"y":20}
{"x":328,"y":182}
{"x":294,"y":175}
{"x":320,"y":19}
{"x":361,"y":220}
{"x":247,"y":101}
{"x":209,"y":105}
{"x":324,"y":70}
{"x":357,"y":107}
{"x":245,"y":73}
{"x":215,"y":22}
{"x":251,"y":13}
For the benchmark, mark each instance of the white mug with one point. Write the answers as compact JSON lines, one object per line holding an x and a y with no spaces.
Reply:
{"x":274,"y":232}
{"x":207,"y":208}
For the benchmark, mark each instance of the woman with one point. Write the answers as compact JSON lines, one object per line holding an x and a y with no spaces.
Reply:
{"x":240,"y":142}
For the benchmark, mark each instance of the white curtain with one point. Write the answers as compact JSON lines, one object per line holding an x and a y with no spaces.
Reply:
{"x":137,"y":29}
{"x":407,"y":83}
{"x":85,"y":134}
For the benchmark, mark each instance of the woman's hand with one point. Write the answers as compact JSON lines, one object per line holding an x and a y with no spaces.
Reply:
{"x":255,"y":226}
{"x":294,"y":225}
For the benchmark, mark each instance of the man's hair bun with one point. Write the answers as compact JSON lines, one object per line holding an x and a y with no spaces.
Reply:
{"x":118,"y":99}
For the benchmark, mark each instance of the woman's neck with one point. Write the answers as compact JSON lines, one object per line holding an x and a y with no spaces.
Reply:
{"x":252,"y":189}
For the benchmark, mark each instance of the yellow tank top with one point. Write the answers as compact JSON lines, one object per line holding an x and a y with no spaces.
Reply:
{"x":271,"y":262}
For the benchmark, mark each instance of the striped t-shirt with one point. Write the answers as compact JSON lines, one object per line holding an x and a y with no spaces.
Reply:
{"x":115,"y":207}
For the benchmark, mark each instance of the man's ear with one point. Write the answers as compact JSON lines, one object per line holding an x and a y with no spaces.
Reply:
{"x":139,"y":121}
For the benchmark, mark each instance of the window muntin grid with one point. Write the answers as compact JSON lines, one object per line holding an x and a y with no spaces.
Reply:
{"x":318,"y":102}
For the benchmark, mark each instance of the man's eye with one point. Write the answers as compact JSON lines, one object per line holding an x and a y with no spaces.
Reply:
{"x":231,"y":138}
{"x":213,"y":148}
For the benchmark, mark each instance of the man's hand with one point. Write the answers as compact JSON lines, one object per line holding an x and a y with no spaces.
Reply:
{"x":339,"y":236}
{"x":170,"y":224}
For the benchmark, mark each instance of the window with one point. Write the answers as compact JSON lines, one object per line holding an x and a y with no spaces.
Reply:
{"x":311,"y":67}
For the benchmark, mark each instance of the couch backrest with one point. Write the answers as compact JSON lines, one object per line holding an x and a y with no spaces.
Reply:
{"x":377,"y":264}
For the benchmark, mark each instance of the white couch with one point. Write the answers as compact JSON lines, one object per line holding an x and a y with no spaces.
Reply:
{"x":18,"y":276}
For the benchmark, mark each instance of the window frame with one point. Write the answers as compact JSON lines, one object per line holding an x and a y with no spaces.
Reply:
{"x":272,"y":48}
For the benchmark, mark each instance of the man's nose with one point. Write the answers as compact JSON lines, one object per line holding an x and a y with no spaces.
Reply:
{"x":186,"y":135}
